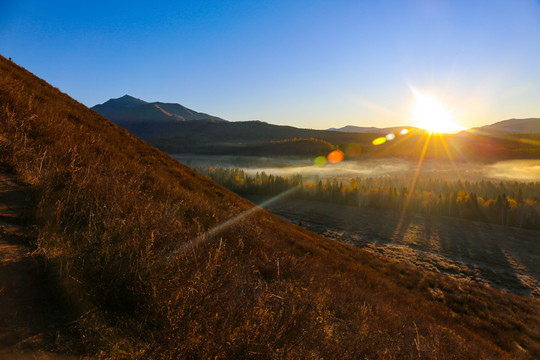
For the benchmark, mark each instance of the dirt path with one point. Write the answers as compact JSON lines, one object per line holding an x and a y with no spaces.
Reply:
{"x":30,"y":316}
{"x":504,"y":257}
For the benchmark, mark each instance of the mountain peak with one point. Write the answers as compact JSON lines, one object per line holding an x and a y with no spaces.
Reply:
{"x":126,"y":96}
{"x":127,"y":100}
{"x":129,"y":109}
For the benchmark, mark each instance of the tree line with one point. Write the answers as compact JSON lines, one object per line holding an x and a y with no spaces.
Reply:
{"x":508,"y":203}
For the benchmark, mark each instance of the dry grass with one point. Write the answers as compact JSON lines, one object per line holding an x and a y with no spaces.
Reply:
{"x":111,"y":210}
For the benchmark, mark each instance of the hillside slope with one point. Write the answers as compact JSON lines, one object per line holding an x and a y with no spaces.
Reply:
{"x":160,"y":262}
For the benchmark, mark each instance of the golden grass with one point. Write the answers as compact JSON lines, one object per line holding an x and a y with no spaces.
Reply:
{"x":111,"y":210}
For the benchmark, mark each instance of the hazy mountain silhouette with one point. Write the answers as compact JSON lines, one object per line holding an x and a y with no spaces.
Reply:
{"x":128,"y":109}
{"x":174,"y":128}
{"x":515,"y":126}
{"x":512,"y":126}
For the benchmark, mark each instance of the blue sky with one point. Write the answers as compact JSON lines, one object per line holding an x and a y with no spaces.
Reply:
{"x":314,"y":64}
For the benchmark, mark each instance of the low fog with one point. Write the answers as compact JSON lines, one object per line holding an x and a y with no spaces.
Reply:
{"x":519,"y":170}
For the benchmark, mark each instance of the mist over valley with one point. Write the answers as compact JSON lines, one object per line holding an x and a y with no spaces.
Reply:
{"x":518,"y":170}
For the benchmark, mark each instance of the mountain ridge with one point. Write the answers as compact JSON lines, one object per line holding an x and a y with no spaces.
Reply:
{"x":514,"y":125}
{"x":511,"y":126}
{"x":129,"y":111}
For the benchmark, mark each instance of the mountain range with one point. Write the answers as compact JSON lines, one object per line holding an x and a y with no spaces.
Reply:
{"x":128,"y":111}
{"x":176,"y":129}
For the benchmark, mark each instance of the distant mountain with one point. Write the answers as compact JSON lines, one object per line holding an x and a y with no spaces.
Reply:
{"x":128,"y":109}
{"x":511,"y":126}
{"x":235,"y":137}
{"x":258,"y":138}
{"x":176,"y":129}
{"x":371,"y":129}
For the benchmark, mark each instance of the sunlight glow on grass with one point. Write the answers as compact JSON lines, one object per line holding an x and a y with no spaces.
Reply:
{"x":227,"y":224}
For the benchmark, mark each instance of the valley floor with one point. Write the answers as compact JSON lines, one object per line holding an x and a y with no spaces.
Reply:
{"x":504,"y":257}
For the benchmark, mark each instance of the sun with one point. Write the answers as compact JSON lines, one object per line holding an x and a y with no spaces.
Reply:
{"x":432,"y":115}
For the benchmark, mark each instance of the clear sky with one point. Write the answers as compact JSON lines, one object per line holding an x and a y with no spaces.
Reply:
{"x":314,"y":64}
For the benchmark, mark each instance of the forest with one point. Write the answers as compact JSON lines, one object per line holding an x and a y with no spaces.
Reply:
{"x":510,"y":203}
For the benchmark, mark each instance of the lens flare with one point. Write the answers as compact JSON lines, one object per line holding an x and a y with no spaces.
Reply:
{"x":379,"y":141}
{"x":336,"y":156}
{"x":390,"y":137}
{"x":353,"y":150}
{"x":404,"y":131}
{"x":320,"y":161}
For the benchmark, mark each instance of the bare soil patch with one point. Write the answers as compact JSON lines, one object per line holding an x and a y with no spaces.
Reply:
{"x":501,"y":256}
{"x":31,"y":318}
